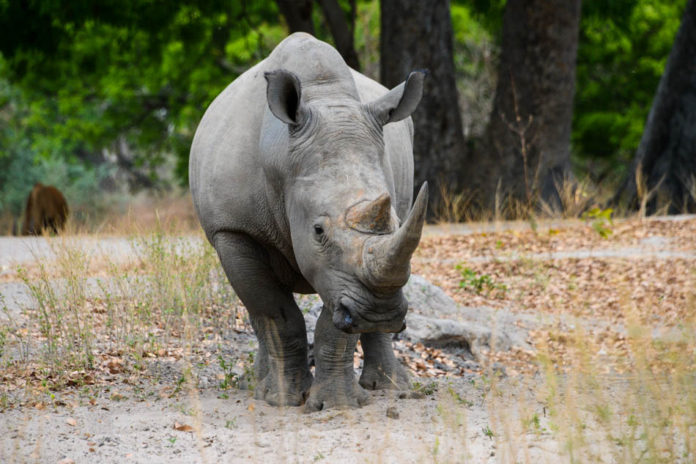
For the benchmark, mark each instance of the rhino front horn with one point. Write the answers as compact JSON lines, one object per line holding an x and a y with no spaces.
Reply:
{"x":387,"y":258}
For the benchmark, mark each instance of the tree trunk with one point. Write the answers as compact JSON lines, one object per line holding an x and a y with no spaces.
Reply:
{"x":526,"y":149}
{"x":417,"y":34}
{"x":341,"y":31}
{"x":664,"y":169}
{"x":298,"y":14}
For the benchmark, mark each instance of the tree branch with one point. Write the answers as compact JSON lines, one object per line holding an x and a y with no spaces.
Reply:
{"x":298,"y":14}
{"x":341,"y":31}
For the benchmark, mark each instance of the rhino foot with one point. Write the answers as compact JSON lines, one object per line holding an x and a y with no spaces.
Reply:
{"x":377,"y":377}
{"x":382,"y":371}
{"x":337,"y":393}
{"x":284,"y":390}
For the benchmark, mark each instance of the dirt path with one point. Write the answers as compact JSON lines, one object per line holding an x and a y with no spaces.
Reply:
{"x":16,"y":251}
{"x":25,"y":250}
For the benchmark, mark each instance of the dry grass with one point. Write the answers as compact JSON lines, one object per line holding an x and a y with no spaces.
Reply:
{"x":173,"y":214}
{"x":621,"y":389}
{"x":8,"y":224}
{"x":134,"y":215}
{"x":576,"y":196}
{"x":602,"y":395}
{"x":96,"y":316}
{"x":453,"y":208}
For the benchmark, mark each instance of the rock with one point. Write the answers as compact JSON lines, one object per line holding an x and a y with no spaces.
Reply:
{"x":435,"y":319}
{"x":473,"y":337}
{"x":392,"y":412}
{"x":310,"y":317}
{"x":498,"y":369}
{"x":427,"y":298}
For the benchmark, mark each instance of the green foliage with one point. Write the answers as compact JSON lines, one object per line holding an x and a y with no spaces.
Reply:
{"x":458,"y":398}
{"x":622,"y":52}
{"x":3,"y":340}
{"x":426,"y":389}
{"x":232,"y":379}
{"x":76,"y":80}
{"x":488,"y":13}
{"x":367,"y":27}
{"x":21,"y":167}
{"x":231,"y":424}
{"x":600,"y":220}
{"x":471,"y":280}
{"x":136,"y":72}
{"x":475,"y":55}
{"x":467,"y":28}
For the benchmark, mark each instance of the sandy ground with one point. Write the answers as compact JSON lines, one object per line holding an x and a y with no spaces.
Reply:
{"x":137,"y":423}
{"x":206,"y":424}
{"x":239,"y":429}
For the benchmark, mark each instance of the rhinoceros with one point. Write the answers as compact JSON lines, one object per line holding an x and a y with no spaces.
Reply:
{"x":301,"y":172}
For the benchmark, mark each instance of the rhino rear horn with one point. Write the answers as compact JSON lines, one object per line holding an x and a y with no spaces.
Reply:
{"x":400,"y":102}
{"x":284,"y":95}
{"x":387,"y":258}
{"x":371,"y":216}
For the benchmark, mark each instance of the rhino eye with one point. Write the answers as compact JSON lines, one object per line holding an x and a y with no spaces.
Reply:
{"x":319,"y":230}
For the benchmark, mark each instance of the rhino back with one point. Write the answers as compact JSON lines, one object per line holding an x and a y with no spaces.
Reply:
{"x":228,"y":169}
{"x":321,"y":69}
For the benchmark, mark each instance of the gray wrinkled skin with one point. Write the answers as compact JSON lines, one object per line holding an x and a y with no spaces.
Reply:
{"x":301,"y":173}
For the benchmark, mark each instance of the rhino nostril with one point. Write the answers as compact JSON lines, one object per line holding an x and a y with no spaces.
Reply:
{"x":342,"y":318}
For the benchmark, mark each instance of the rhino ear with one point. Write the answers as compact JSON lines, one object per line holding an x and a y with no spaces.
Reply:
{"x":284,"y":95}
{"x":400,"y":101}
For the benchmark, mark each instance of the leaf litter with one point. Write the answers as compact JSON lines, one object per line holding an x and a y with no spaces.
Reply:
{"x":658,"y":291}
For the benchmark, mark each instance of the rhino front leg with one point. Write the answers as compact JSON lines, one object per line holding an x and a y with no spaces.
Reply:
{"x":335,"y":385}
{"x":381,"y":369}
{"x":281,"y":368}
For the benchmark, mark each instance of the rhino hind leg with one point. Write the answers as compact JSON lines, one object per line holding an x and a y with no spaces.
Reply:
{"x":335,"y":385}
{"x":282,"y":371}
{"x":381,"y":370}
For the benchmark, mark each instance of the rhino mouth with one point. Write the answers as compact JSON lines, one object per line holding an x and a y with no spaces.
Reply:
{"x":352,"y":317}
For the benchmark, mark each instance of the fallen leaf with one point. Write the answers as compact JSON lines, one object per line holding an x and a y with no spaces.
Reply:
{"x":182,"y":427}
{"x":114,"y":365}
{"x":251,"y":407}
{"x":70,"y":421}
{"x":116,"y":396}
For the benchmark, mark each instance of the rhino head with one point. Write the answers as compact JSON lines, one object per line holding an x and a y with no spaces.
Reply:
{"x":349,"y":243}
